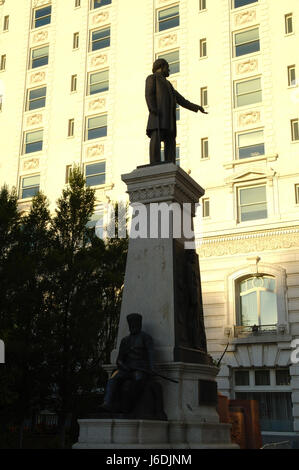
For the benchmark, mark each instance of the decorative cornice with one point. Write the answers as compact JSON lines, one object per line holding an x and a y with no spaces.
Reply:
{"x":162,"y":183}
{"x":259,"y":158}
{"x":249,"y":242}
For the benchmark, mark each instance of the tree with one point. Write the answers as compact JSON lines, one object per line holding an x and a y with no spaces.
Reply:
{"x":23,"y":314}
{"x":60,"y":312}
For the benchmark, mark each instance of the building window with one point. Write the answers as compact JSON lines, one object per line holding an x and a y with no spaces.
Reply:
{"x":74,"y":83}
{"x":95,"y":174}
{"x":99,"y":3}
{"x":241,"y":377}
{"x":258,"y":303}
{"x":242,"y":3}
{"x":252,"y":203}
{"x":39,"y":57}
{"x":205,"y":148}
{"x":262,"y":377}
{"x":248,"y":92}
{"x":203,"y":48}
{"x":6,"y":23}
{"x":36,"y":98}
{"x":297,"y":193}
{"x":295,"y":129}
{"x":68,"y":170}
{"x":292,"y":75}
{"x":75,"y":40}
{"x":206,"y":207}
{"x":250,"y":144}
{"x":77,"y":3}
{"x":29,"y":186}
{"x":97,"y":127}
{"x":100,"y":39}
{"x":71,"y":126}
{"x":168,"y":18}
{"x":3,"y":62}
{"x":247,"y":42}
{"x":275,"y":409}
{"x":288,"y":19}
{"x":275,"y":405}
{"x":173,"y":59}
{"x":204,"y":96}
{"x":42,"y":16}
{"x":33,"y":141}
{"x":202,"y":5}
{"x":98,"y":82}
{"x":282,"y":377}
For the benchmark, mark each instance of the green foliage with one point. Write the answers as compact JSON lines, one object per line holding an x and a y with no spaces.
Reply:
{"x":60,"y":303}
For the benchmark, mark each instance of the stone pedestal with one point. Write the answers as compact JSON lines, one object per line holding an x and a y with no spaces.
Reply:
{"x":162,"y":282}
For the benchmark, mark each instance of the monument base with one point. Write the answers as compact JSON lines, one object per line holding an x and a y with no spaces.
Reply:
{"x":148,"y":434}
{"x":190,"y":405}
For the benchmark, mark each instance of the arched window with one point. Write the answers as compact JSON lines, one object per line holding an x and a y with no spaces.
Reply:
{"x":257,"y":301}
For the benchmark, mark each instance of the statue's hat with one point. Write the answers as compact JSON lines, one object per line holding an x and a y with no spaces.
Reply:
{"x":134,"y":317}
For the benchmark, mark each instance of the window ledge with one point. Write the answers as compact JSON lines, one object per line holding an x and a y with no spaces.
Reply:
{"x":40,"y":28}
{"x":244,"y":56}
{"x":245,"y":7}
{"x":248,"y":107}
{"x":267,"y":158}
{"x":167,"y":31}
{"x":266,"y":338}
{"x":295,"y":141}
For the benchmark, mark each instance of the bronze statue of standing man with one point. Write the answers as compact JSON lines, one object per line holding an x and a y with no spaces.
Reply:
{"x":161,"y":100}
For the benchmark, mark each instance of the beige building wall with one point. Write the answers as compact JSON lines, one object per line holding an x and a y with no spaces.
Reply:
{"x":230,"y":249}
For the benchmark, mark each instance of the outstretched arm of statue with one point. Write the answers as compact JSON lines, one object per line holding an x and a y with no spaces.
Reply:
{"x":187,"y":104}
{"x":150,"y":94}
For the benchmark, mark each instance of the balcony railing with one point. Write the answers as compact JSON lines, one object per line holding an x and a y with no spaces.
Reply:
{"x":254,"y":330}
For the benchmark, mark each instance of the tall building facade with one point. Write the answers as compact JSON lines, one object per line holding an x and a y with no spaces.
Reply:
{"x":72,"y":76}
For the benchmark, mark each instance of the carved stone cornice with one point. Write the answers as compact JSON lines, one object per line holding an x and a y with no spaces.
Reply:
{"x":162,"y":183}
{"x":262,"y":240}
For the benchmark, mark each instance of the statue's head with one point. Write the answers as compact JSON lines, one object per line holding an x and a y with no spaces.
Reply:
{"x":163,"y":65}
{"x":135,"y":323}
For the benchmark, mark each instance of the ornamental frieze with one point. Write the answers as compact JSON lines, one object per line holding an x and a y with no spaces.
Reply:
{"x":40,"y":36}
{"x":249,"y":243}
{"x":248,"y":118}
{"x":34,"y":120}
{"x":168,"y":40}
{"x":245,"y":17}
{"x":98,"y":103}
{"x":37,"y":77}
{"x":95,"y":150}
{"x":100,"y":18}
{"x":247,"y":66}
{"x":98,"y":60}
{"x":31,"y":164}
